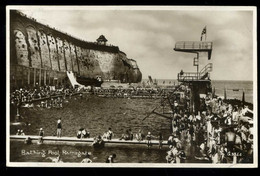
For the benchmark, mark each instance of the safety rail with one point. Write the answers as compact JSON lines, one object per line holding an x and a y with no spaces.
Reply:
{"x":192,"y":76}
{"x":205,"y":70}
{"x":193,"y":45}
{"x":188,"y":76}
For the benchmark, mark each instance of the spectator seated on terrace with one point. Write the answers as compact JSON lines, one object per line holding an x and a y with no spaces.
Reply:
{"x":139,"y":136}
{"x":79,"y":134}
{"x":83,"y":133}
{"x":22,"y":133}
{"x":18,"y":132}
{"x":126,"y":136}
{"x":24,"y":97}
{"x":108,"y":135}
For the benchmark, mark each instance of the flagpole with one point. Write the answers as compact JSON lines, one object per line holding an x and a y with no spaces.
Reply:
{"x":206,"y":33}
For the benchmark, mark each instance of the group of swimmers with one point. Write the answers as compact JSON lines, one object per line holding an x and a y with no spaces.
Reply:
{"x":52,"y":103}
{"x":87,"y":159}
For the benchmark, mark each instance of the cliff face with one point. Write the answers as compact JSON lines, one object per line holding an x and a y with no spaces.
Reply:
{"x":42,"y":54}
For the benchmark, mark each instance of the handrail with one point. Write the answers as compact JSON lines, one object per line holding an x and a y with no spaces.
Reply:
{"x":188,"y":75}
{"x":194,"y":75}
{"x":206,"y":69}
{"x":193,"y":45}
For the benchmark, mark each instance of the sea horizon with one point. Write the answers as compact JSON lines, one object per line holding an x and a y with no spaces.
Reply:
{"x":234,"y":88}
{"x":211,"y":79}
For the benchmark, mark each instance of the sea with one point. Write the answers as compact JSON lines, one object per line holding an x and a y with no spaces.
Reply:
{"x":234,"y":88}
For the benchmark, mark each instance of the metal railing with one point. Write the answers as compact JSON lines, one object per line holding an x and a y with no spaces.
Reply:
{"x":205,"y":70}
{"x":194,"y":45}
{"x":193,"y":76}
{"x":188,"y":76}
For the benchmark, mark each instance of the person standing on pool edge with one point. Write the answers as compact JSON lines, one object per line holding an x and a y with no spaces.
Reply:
{"x":149,"y":138}
{"x":59,"y":128}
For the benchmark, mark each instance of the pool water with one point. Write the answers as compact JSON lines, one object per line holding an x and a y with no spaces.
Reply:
{"x":74,"y":154}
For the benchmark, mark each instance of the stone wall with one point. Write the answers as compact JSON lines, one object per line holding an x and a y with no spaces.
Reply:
{"x":51,"y":53}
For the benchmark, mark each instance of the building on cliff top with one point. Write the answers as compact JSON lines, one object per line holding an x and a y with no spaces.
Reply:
{"x":102,"y":40}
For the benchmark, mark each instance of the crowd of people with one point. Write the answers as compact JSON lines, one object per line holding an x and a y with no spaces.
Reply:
{"x":129,"y":92}
{"x":51,"y":96}
{"x":220,"y":132}
{"x":43,"y":97}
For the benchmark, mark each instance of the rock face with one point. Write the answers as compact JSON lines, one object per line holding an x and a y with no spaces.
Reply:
{"x":41,"y":54}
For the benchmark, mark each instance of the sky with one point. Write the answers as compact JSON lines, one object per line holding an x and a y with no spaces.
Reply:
{"x":149,"y":36}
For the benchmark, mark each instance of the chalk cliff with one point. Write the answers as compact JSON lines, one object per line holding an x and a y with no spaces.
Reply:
{"x":39,"y":53}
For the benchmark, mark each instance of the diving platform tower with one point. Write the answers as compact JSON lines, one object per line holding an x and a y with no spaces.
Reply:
{"x":199,"y":82}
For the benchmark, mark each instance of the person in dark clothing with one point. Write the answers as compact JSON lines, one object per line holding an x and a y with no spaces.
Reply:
{"x":200,"y":136}
{"x":28,"y":140}
{"x":131,"y":135}
{"x":59,"y":128}
{"x":149,"y":138}
{"x":41,"y":133}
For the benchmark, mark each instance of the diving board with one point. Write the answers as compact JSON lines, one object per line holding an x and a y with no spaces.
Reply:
{"x":194,"y":47}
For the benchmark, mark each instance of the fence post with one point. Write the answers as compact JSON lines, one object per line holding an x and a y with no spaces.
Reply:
{"x":34,"y":76}
{"x":22,"y":68}
{"x":44,"y":78}
{"x":28,"y":76}
{"x":40,"y":77}
{"x":243,"y":98}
